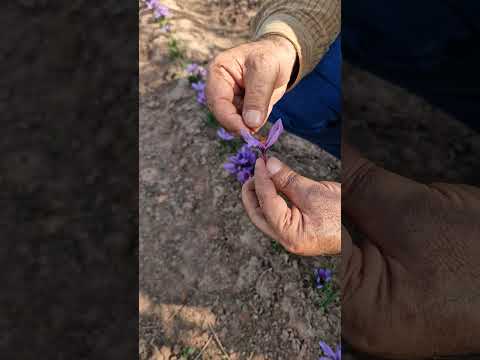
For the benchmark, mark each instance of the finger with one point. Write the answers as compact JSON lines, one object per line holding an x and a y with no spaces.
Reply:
{"x":274,"y":208}
{"x":221,"y":91}
{"x":253,"y":209}
{"x":238,"y":103}
{"x":294,"y":186}
{"x":260,"y":79}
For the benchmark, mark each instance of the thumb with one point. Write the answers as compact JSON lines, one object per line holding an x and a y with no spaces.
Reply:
{"x":260,"y":78}
{"x":294,"y":186}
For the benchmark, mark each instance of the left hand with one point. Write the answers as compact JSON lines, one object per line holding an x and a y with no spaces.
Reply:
{"x":311,"y":226}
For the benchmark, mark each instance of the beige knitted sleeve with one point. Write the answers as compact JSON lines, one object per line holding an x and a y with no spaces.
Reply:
{"x":311,"y":26}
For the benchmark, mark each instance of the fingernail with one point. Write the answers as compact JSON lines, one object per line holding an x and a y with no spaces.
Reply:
{"x":274,"y":165}
{"x":252,"y":118}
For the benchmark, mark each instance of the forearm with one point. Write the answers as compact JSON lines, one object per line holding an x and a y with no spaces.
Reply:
{"x":310,"y":25}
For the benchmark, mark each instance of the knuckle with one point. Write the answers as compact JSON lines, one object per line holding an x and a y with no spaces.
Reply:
{"x":260,"y":61}
{"x":261,"y":200}
{"x":289,"y":180}
{"x":218,"y":59}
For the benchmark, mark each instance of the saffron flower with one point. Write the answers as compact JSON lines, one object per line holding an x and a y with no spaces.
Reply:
{"x":328,"y":352}
{"x":199,"y":87}
{"x":161,"y":12}
{"x":152,"y":4}
{"x":242,"y":164}
{"x":322,"y":277}
{"x":224,"y":134}
{"x":263,"y":146}
{"x":196,"y":71}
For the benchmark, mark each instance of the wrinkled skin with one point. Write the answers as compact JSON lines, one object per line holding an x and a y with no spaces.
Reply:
{"x":411,"y":286}
{"x":310,"y":226}
{"x":249,"y":77}
{"x":411,"y":280}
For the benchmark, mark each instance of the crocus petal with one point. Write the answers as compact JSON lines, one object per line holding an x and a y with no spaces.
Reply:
{"x":231,"y":168}
{"x":191,"y":68}
{"x":201,"y":98}
{"x":338,"y":353}
{"x":324,"y":358}
{"x":224,"y":134}
{"x":198,"y":86}
{"x":327,"y":350}
{"x":250,"y":139}
{"x":202,"y":72}
{"x":274,"y":133}
{"x":243,"y":176}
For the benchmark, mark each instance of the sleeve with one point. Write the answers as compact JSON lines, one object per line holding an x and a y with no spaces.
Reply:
{"x":310,"y":25}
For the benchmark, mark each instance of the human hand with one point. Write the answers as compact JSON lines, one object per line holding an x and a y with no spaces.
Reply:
{"x":245,"y":82}
{"x":311,"y":225}
{"x":411,"y":284}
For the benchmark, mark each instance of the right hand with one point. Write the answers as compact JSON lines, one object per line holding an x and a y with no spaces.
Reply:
{"x":309,"y":224}
{"x":245,"y":82}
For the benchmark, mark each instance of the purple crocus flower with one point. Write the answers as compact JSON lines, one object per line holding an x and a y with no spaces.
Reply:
{"x":328,"y":352}
{"x":263,"y":146}
{"x":196,"y":70}
{"x":224,"y":134}
{"x":199,"y":87}
{"x":151,"y":4}
{"x":322,"y":277}
{"x":161,"y":12}
{"x":242,"y":164}
{"x":192,"y":68}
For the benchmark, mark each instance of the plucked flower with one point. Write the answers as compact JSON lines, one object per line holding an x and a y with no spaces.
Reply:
{"x":224,"y":134}
{"x":273,"y":135}
{"x":329,"y":354}
{"x":242,"y":164}
{"x":322,"y":277}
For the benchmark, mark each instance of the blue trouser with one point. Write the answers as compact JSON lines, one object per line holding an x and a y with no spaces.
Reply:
{"x":312,"y":109}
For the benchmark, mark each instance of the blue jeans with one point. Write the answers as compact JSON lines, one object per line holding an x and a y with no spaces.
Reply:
{"x":312,"y":109}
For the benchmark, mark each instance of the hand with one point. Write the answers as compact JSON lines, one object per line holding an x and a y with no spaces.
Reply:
{"x":245,"y":82}
{"x":411,"y":285}
{"x":311,"y":225}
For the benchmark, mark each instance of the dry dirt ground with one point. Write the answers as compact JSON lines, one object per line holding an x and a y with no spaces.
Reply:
{"x":204,"y":268}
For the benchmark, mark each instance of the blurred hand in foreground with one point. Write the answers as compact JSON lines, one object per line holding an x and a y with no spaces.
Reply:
{"x":311,"y":225}
{"x":245,"y":82}
{"x":411,"y":280}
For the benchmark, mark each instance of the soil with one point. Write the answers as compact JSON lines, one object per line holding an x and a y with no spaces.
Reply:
{"x":205,"y":270}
